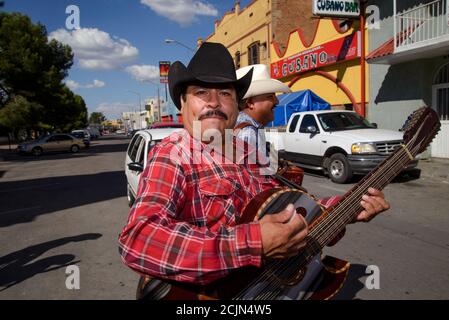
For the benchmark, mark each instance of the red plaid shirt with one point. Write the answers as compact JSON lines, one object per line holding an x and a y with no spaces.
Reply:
{"x":184,"y":224}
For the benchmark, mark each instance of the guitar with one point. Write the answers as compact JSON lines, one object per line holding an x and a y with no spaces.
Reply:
{"x":306,"y":275}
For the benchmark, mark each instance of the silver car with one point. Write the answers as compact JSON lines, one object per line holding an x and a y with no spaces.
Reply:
{"x":51,"y":143}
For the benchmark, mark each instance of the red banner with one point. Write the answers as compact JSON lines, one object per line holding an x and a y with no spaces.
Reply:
{"x":164,"y":66}
{"x":343,"y":49}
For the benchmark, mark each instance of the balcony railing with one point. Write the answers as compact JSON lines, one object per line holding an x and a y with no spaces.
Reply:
{"x":421,"y":26}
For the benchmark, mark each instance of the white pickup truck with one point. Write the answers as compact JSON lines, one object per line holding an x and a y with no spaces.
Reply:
{"x":341,"y":143}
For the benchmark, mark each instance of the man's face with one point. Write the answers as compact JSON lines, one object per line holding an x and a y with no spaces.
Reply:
{"x":263,"y":107}
{"x":214,"y":106}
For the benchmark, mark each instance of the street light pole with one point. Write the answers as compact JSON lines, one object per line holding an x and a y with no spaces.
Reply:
{"x":180,"y":43}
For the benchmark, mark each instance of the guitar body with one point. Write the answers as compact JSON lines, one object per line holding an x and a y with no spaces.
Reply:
{"x":319,"y":279}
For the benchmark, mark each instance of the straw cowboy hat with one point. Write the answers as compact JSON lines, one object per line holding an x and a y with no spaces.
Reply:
{"x":262,"y":82}
{"x":211,"y":64}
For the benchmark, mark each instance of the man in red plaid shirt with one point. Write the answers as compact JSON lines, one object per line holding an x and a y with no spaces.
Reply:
{"x":184,"y":225}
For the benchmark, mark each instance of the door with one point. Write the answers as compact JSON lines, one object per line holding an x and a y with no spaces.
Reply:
{"x":440,"y":145}
{"x":51,"y":144}
{"x":65,"y":142}
{"x":309,"y":141}
{"x":135,"y":154}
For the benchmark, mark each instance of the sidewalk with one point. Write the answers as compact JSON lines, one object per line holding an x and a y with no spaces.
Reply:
{"x":435,"y":168}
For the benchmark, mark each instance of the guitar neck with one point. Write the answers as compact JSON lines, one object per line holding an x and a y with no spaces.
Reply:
{"x":334,"y":220}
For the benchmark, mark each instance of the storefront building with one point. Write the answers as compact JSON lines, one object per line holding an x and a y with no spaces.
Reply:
{"x":328,"y":63}
{"x":409,"y":65}
{"x":246,"y":32}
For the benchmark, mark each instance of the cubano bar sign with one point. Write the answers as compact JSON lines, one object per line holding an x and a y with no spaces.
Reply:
{"x":337,"y":8}
{"x":343,"y":49}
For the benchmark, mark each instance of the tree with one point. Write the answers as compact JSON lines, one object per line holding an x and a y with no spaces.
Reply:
{"x":20,"y":113}
{"x":32,"y":69}
{"x":97,"y":118}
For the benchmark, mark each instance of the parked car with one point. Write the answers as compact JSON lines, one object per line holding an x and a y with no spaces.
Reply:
{"x":136,"y":156}
{"x":85,"y":133}
{"x":166,"y":125}
{"x":120,"y":131}
{"x":341,"y":143}
{"x":51,"y":143}
{"x":94,"y":132}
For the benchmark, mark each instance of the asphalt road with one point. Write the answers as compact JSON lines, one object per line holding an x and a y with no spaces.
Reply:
{"x":59,"y":210}
{"x":68,"y":209}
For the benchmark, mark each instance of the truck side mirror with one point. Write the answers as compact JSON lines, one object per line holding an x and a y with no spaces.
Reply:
{"x":312,"y":129}
{"x":135,"y":166}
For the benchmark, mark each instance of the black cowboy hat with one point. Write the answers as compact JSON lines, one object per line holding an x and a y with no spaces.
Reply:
{"x":211,"y":64}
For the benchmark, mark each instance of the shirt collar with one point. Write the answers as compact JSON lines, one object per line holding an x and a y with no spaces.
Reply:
{"x":244,"y":117}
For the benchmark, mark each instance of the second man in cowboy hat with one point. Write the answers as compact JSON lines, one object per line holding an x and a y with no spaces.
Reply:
{"x":257,"y":107}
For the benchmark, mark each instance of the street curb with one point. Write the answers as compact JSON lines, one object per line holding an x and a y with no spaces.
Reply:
{"x":436,"y":169}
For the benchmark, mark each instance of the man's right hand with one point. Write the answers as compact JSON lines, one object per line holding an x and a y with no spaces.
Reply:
{"x":283,"y":234}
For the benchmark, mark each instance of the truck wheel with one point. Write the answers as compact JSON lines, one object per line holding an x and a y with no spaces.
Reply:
{"x":339,"y":170}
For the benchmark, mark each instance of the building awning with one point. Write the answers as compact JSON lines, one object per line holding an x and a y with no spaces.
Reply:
{"x":384,"y":50}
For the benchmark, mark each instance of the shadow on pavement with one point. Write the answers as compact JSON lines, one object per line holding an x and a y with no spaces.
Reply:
{"x":23,"y":201}
{"x":19,"y":266}
{"x":353,"y":284}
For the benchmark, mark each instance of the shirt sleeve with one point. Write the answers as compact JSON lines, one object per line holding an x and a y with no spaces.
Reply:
{"x":157,"y":242}
{"x":249,"y":135}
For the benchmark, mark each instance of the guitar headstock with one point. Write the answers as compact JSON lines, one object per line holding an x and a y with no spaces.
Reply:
{"x":420,"y":129}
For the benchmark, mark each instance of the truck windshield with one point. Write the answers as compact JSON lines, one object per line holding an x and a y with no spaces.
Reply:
{"x":336,"y":121}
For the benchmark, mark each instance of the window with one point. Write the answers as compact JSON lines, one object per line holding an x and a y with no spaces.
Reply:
{"x":237,"y":60}
{"x":343,"y":121}
{"x":253,"y":53}
{"x":134,"y":146}
{"x":308,"y":121}
{"x":140,"y":158}
{"x":294,"y":124}
{"x":63,"y":138}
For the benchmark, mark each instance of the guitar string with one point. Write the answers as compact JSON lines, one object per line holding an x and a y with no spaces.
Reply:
{"x":338,"y":219}
{"x":379,"y":182}
{"x":265,"y":274}
{"x":268,"y":273}
{"x":393,"y":170}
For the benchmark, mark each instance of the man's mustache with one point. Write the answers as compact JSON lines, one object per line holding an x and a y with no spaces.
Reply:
{"x":213,"y":113}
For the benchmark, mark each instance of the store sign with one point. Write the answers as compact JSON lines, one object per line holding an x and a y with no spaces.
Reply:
{"x":164,"y":66}
{"x":337,"y":8}
{"x":343,"y":49}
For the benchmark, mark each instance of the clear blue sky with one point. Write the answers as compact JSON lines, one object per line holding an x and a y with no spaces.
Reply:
{"x":120,"y":43}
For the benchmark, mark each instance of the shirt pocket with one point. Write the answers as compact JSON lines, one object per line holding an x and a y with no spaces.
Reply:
{"x":217,"y":200}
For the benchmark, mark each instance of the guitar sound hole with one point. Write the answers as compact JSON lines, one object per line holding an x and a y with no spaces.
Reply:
{"x":302,"y":211}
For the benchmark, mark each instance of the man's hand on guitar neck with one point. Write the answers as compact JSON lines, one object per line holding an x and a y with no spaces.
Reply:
{"x":283,"y":234}
{"x":374,"y":203}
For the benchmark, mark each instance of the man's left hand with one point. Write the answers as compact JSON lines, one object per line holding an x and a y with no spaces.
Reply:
{"x":374,"y":203}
